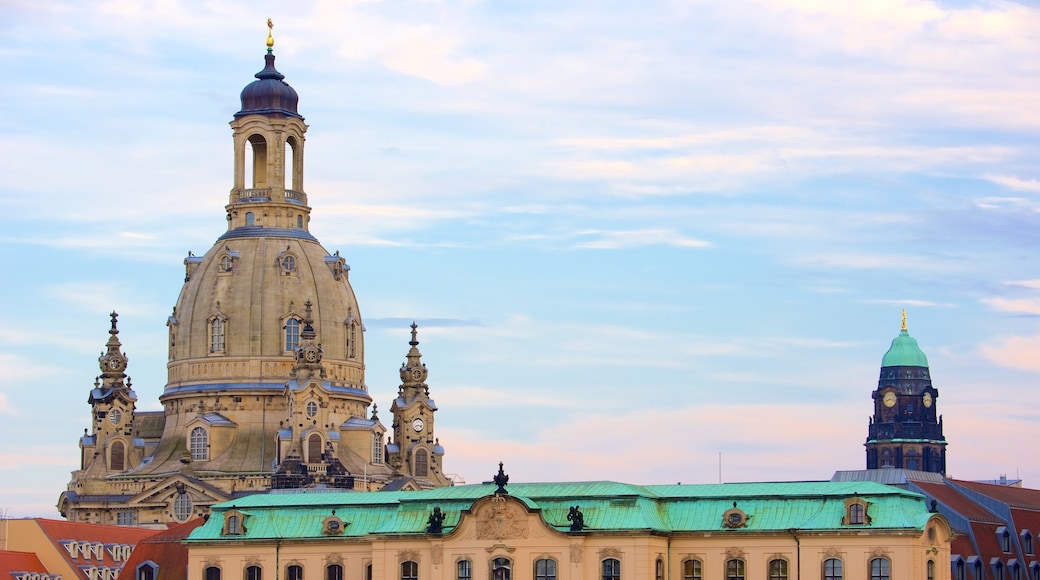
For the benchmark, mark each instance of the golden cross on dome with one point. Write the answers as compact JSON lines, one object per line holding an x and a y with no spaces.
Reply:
{"x":270,"y":35}
{"x":904,"y":319}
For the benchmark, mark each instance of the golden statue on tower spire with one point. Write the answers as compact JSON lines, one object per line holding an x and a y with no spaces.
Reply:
{"x":904,"y":320}
{"x":270,"y":35}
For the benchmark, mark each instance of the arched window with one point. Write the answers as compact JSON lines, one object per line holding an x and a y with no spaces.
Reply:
{"x":312,"y":409}
{"x":182,"y":507}
{"x":1027,"y":542}
{"x":377,"y":448}
{"x":294,"y":572}
{"x":778,"y":569}
{"x":1005,"y":539}
{"x":735,"y":569}
{"x":464,"y":570}
{"x":422,"y":463}
{"x":234,"y":525}
{"x":1015,"y":569}
{"x":146,"y":571}
{"x":116,"y":456}
{"x":998,"y":570}
{"x":611,"y":569}
{"x":659,"y":569}
{"x":1034,"y":571}
{"x":930,"y":570}
{"x":299,"y":222}
{"x":409,"y":570}
{"x":691,"y":570}
{"x":211,"y":573}
{"x":545,"y":569}
{"x":254,"y":573}
{"x":833,"y":570}
{"x":334,"y":572}
{"x":313,"y":448}
{"x":216,"y":334}
{"x":250,"y":219}
{"x":856,"y":512}
{"x":501,"y":569}
{"x":880,"y":569}
{"x":292,"y":334}
{"x":290,"y":165}
{"x":352,"y":341}
{"x":199,"y":444}
{"x":256,"y":149}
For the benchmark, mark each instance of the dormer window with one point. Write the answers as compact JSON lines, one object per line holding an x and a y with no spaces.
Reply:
{"x":333,"y":526}
{"x":1027,"y":542}
{"x":734,"y":518}
{"x":234,"y":524}
{"x":856,"y":512}
{"x":1004,"y":536}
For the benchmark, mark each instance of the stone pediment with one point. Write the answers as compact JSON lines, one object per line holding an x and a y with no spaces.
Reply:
{"x":160,"y":492}
{"x":503,"y":518}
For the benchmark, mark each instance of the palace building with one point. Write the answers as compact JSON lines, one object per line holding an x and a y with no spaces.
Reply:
{"x":266,"y":374}
{"x":577,"y":530}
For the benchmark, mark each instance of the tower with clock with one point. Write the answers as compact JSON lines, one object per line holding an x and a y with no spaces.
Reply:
{"x":905,"y":431}
{"x":111,"y":446}
{"x":415,"y":452}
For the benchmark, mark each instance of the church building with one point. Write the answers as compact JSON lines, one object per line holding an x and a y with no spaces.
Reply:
{"x":266,"y":375}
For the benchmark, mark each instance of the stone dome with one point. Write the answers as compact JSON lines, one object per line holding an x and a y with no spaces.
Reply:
{"x":269,"y":93}
{"x":253,"y":285}
{"x":904,"y":352}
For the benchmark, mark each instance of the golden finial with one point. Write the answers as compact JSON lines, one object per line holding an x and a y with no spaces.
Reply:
{"x":904,"y":319}
{"x":270,"y":36}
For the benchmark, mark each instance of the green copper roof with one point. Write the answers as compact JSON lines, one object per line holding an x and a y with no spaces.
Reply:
{"x":904,"y":352}
{"x":606,"y":506}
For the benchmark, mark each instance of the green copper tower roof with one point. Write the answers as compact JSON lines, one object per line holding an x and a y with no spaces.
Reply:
{"x":904,"y":351}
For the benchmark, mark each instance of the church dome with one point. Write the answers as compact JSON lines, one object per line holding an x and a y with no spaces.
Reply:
{"x":904,"y":352}
{"x":269,"y":93}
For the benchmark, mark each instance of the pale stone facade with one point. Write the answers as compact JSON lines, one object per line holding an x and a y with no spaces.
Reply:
{"x":266,"y":375}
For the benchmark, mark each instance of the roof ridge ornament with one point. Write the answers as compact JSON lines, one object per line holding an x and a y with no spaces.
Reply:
{"x":904,"y":321}
{"x":270,"y":35}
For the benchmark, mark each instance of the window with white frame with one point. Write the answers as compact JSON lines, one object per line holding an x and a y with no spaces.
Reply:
{"x":199,"y":443}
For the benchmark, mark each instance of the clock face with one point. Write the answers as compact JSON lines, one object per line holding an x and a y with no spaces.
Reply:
{"x":927,"y":399}
{"x":889,"y":399}
{"x":417,"y":424}
{"x":417,"y":374}
{"x":115,"y":363}
{"x":115,"y":416}
{"x":311,"y":355}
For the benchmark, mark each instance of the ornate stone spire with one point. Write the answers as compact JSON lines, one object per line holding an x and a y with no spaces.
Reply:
{"x":413,"y":371}
{"x":112,"y":360}
{"x":308,"y":355}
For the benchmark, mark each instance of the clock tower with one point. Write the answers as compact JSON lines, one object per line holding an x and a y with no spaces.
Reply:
{"x":905,"y":431}
{"x":415,"y":452}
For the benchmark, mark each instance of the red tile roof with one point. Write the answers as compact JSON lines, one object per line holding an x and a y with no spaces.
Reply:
{"x":956,"y":501}
{"x":71,"y":540}
{"x":164,"y":550}
{"x":19,"y":562}
{"x":1020,"y":497}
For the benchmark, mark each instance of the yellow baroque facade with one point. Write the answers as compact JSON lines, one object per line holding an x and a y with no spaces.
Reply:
{"x":579,"y":530}
{"x":266,"y":374}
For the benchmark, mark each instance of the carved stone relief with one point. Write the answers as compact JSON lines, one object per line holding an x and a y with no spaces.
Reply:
{"x":500,"y":520}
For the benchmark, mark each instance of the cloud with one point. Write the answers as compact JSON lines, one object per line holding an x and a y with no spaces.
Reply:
{"x":1015,"y":183}
{"x":617,"y":240}
{"x":1020,"y":352}
{"x":1024,"y":306}
{"x":910,"y":302}
{"x":1034,"y":284}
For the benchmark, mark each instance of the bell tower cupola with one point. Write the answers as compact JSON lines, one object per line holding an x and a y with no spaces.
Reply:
{"x":905,"y":432}
{"x":269,"y":137}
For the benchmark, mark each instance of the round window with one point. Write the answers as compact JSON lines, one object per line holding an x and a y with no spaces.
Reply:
{"x":312,"y":408}
{"x":115,"y":416}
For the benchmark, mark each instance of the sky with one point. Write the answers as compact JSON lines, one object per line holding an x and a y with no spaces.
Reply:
{"x":646,"y":242}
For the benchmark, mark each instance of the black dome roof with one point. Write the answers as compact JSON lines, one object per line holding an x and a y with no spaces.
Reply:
{"x":269,"y":93}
